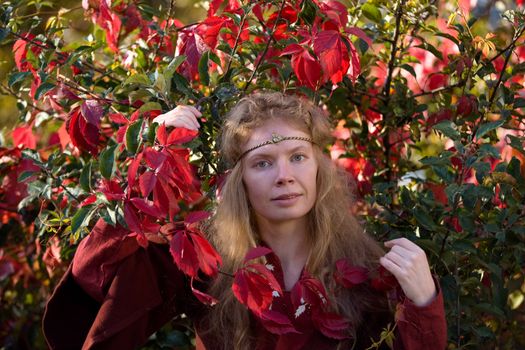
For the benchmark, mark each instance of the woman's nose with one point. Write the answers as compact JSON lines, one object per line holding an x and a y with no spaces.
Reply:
{"x":284,"y":173}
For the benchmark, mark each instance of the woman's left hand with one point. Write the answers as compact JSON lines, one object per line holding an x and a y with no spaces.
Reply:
{"x":408,"y":263}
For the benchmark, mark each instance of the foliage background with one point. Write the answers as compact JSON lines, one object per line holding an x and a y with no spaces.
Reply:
{"x":427,"y":104}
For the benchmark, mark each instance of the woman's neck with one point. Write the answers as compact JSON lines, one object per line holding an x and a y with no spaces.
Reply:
{"x":288,"y":241}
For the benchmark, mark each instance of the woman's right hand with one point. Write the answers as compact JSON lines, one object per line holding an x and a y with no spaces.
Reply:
{"x":181,"y":116}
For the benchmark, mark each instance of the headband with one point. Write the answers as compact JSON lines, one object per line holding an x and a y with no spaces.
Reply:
{"x":276,"y":138}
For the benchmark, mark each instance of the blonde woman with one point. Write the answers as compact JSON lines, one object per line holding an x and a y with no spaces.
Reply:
{"x":284,"y":194}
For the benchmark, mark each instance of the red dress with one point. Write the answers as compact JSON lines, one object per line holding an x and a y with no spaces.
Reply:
{"x":116,"y":294}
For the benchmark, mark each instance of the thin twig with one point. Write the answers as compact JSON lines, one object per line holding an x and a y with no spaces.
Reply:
{"x":163,"y":32}
{"x":438,"y":90}
{"x":8,"y":91}
{"x":393,"y":53}
{"x":266,"y":47}
{"x":236,"y":43}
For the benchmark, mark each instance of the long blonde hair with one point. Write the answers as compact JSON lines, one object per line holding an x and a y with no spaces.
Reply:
{"x":335,"y":233}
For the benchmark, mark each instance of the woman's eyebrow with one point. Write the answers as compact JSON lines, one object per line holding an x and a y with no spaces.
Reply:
{"x":266,"y":153}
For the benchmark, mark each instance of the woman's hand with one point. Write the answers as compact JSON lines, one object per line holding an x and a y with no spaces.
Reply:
{"x":408,"y":263}
{"x":180,"y":117}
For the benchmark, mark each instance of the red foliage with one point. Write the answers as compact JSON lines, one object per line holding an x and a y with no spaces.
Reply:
{"x":23,"y":137}
{"x":254,"y":284}
{"x":193,"y":253}
{"x":349,"y":276}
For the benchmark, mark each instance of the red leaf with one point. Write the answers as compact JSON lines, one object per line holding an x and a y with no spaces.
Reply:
{"x":209,"y":29}
{"x":181,"y":135}
{"x":256,"y":252}
{"x":65,"y":140}
{"x":307,"y":69}
{"x":196,"y":216}
{"x":207,"y":255}
{"x":162,"y":134}
{"x":147,"y":207}
{"x":89,"y":200}
{"x":348,"y":275}
{"x":360,"y":34}
{"x":204,"y":298}
{"x":309,"y":290}
{"x":154,"y":159}
{"x":184,"y":254}
{"x":355,"y":66}
{"x":292,"y":49}
{"x":84,"y":135}
{"x":131,"y":218}
{"x":111,"y":22}
{"x":383,"y":281}
{"x":231,"y":6}
{"x":192,"y":46}
{"x":336,"y":12}
{"x":118,"y":118}
{"x":331,"y":49}
{"x":92,"y":112}
{"x":332,"y":325}
{"x":147,"y":182}
{"x":20,"y":52}
{"x":112,"y":190}
{"x":254,"y":286}
{"x":23,"y":136}
{"x":276,"y":323}
{"x":133,"y":169}
{"x":164,"y":197}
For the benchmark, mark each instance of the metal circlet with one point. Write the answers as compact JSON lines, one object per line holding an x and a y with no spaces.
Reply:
{"x":276,"y":138}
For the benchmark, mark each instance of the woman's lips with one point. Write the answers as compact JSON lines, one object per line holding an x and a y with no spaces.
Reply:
{"x":287,"y":196}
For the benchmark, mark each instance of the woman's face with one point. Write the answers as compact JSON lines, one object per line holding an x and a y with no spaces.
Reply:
{"x":280,"y":179}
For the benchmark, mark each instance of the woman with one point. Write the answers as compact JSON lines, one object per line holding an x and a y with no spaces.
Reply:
{"x":282,"y":193}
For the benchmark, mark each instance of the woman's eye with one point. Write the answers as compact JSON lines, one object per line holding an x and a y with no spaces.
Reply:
{"x":298,"y":157}
{"x":262,"y":164}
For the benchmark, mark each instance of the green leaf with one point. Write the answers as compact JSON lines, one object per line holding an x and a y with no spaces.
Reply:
{"x":519,"y":102}
{"x":42,"y":89}
{"x":448,"y":128}
{"x":172,"y":67}
{"x":516,"y":143}
{"x":81,"y":218}
{"x":430,"y":48}
{"x":372,"y":12}
{"x":17,"y":77}
{"x":487,"y":127}
{"x":204,"y":76}
{"x":424,"y":219}
{"x":85,"y":177}
{"x":150,"y":106}
{"x":409,"y":69}
{"x":107,"y":162}
{"x":26,"y":175}
{"x":308,"y":11}
{"x":134,"y":136}
{"x":139,"y":79}
{"x":3,"y":33}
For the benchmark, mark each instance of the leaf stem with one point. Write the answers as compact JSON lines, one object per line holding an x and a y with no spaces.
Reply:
{"x":283,"y":2}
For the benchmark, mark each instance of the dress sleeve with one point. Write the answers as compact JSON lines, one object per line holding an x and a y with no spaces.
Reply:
{"x":115,"y":294}
{"x":421,"y":327}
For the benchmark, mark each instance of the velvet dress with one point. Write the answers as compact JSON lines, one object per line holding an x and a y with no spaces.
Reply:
{"x":115,"y":294}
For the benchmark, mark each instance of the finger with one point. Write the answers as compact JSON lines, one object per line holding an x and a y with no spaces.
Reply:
{"x":391,"y":267}
{"x":193,"y":110}
{"x":397,"y":259}
{"x":403,"y":242}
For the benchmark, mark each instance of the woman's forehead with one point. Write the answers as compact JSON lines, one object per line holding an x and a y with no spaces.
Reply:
{"x":269,"y":129}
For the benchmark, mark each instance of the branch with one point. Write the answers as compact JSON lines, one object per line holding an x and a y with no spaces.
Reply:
{"x":438,"y":90}
{"x":267,"y":46}
{"x":243,"y":20}
{"x":51,"y":46}
{"x":8,"y":91}
{"x":391,"y":63}
{"x":163,"y":33}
